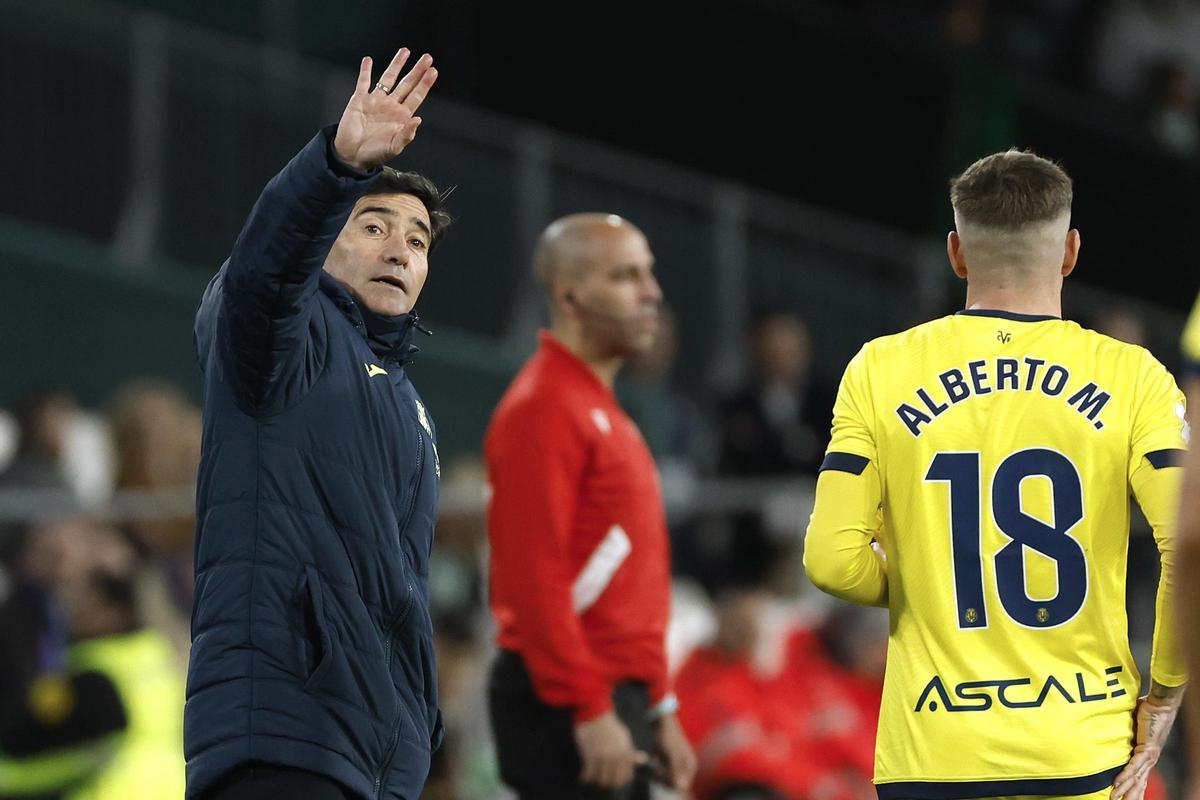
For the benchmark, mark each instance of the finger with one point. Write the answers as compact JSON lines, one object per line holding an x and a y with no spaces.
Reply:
{"x":421,"y":90}
{"x":688,"y":770}
{"x":588,"y":773}
{"x":1137,"y":791}
{"x":364,"y":76}
{"x":412,"y":78}
{"x":1127,"y":778}
{"x":404,"y":137}
{"x":388,"y":79}
{"x":682,"y":769}
{"x":622,"y":773}
{"x":1122,"y":783}
{"x":682,"y":782}
{"x":602,"y":773}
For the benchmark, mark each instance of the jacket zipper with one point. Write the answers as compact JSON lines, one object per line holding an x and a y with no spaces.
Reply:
{"x":390,"y":752}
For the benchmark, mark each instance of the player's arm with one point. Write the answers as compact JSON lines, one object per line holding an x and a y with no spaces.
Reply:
{"x":838,"y":553}
{"x":271,"y":278}
{"x":1156,"y":486}
{"x":1158,"y":446}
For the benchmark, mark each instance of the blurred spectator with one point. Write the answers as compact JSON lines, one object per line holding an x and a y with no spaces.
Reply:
{"x":1036,"y":32}
{"x":1173,"y":119}
{"x":156,"y":431}
{"x":669,"y":420}
{"x":103,"y":718}
{"x":42,"y":418}
{"x":465,"y":764}
{"x":838,"y":672}
{"x":778,"y":422}
{"x":672,"y":425}
{"x":157,"y":434}
{"x":776,"y":425}
{"x":1123,"y":325}
{"x":964,"y":24}
{"x":803,"y":730}
{"x":1138,"y":34}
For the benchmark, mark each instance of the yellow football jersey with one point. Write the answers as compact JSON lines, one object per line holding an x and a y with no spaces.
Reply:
{"x":1191,"y":342}
{"x":1006,"y":448}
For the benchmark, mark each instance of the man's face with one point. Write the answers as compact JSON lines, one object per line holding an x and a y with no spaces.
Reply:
{"x":783,"y":350}
{"x":618,"y":298}
{"x":382,"y":254}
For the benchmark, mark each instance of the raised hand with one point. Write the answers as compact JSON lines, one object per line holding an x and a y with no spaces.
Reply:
{"x":380,"y":120}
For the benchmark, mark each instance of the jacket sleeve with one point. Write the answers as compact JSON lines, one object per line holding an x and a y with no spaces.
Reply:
{"x":269,"y":284}
{"x":536,"y":461}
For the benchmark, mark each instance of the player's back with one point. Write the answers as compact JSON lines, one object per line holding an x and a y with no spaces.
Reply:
{"x":1005,"y":445}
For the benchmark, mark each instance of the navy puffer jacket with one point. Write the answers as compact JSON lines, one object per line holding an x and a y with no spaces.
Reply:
{"x":311,"y":639}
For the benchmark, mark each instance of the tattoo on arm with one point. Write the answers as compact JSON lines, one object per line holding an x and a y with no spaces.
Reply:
{"x":1160,"y":692}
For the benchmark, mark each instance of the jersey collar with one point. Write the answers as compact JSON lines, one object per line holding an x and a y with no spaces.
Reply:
{"x":1012,"y":315}
{"x":563,"y":354}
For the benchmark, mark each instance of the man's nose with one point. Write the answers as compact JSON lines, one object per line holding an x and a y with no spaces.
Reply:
{"x":651,"y":291}
{"x":396,"y":255}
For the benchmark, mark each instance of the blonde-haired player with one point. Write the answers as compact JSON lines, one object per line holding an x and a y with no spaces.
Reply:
{"x":991,"y":455}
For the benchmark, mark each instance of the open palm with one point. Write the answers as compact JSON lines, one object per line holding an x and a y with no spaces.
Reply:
{"x":380,"y":121}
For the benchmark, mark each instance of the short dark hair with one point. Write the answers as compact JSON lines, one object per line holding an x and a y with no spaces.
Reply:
{"x":393,"y":181}
{"x":1011,"y":190}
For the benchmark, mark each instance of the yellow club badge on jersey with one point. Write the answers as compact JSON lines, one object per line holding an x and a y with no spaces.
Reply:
{"x":51,"y":699}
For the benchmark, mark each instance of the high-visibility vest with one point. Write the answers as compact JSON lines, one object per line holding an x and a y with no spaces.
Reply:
{"x":142,"y":762}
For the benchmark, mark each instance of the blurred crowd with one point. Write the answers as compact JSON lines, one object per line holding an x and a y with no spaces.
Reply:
{"x":1139,"y":56}
{"x":779,"y":686}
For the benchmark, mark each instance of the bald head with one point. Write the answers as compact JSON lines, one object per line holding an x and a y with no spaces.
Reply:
{"x":569,"y":245}
{"x":598,"y":273}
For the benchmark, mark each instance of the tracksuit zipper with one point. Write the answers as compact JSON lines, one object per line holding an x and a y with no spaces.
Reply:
{"x":390,"y":752}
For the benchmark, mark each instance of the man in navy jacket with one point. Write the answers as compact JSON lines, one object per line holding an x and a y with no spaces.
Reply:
{"x":312,"y":668}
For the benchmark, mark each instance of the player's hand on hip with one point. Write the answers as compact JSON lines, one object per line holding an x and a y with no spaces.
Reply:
{"x":381,"y":119}
{"x":1153,"y":719}
{"x":607,"y":752}
{"x":676,"y":752}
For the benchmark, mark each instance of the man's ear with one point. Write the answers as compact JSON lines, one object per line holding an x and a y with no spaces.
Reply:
{"x":1071,"y":251}
{"x":954,"y":251}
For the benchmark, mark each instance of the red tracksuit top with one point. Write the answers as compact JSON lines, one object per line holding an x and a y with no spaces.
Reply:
{"x":580,"y":561}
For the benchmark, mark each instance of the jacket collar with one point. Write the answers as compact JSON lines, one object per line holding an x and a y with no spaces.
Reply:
{"x":388,"y":337}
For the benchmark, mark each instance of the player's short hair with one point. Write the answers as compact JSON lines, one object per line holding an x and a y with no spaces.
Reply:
{"x":1010,"y":191}
{"x":393,"y":181}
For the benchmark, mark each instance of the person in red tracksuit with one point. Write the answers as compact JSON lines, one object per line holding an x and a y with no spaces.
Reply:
{"x":580,"y":564}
